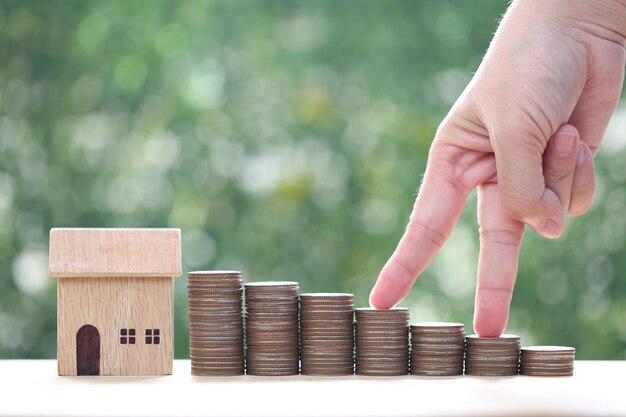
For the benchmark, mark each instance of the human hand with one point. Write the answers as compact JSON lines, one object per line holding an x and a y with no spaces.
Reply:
{"x":552,"y":74}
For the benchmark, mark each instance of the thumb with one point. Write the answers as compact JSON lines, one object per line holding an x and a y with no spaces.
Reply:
{"x":522,"y":185}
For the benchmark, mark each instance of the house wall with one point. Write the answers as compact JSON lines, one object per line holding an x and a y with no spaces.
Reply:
{"x":111,"y":304}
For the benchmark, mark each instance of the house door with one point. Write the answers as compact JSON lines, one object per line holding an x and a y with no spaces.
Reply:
{"x":88,"y":350}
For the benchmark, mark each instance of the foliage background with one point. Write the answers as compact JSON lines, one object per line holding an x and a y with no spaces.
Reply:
{"x":286,"y":139}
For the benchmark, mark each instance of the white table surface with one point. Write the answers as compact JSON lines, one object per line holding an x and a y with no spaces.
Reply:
{"x":32,"y":388}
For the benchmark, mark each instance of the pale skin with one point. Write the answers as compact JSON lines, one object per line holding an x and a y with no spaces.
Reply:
{"x":523,"y":133}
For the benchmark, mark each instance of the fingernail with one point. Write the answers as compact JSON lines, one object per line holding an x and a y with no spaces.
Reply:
{"x":551,"y":227}
{"x":565,"y":143}
{"x":580,"y":157}
{"x":548,"y":227}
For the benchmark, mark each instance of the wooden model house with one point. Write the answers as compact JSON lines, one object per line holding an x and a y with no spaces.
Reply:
{"x":115,"y":299}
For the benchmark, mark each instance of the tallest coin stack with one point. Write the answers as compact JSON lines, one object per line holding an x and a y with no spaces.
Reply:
{"x":216,"y":323}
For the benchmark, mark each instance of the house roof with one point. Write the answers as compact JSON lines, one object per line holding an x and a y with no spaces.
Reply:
{"x":114,"y":252}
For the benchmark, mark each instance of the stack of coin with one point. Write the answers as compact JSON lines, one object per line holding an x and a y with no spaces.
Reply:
{"x":437,"y":349}
{"x":216,"y":323}
{"x":326,"y":334}
{"x":547,"y":361}
{"x":497,"y":356}
{"x":382,"y":342}
{"x":272,"y":328}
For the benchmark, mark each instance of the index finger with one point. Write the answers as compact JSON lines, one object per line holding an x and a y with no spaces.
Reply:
{"x":436,"y":211}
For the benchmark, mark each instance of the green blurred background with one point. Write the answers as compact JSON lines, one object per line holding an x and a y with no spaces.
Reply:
{"x":286,"y":139}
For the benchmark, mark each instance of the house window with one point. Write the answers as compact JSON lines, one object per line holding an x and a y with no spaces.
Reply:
{"x":127,"y":336}
{"x":153,"y":337}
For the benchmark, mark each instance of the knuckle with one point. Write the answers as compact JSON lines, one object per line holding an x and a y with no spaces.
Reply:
{"x":532,"y":145}
{"x":458,"y":182}
{"x":500,"y":237}
{"x":516,"y":205}
{"x":427,"y":232}
{"x":444,"y":130}
{"x":559,"y":174}
{"x":448,"y":167}
{"x":513,"y":132}
{"x":406,"y":270}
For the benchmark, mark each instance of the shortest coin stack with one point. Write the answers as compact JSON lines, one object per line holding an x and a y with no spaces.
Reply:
{"x":498,"y":356}
{"x":437,"y":349}
{"x":215,"y":323}
{"x":382,"y":342}
{"x":547,"y":361}
{"x":326,"y":334}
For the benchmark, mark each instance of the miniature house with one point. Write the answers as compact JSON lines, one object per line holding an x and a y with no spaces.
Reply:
{"x":115,"y":299}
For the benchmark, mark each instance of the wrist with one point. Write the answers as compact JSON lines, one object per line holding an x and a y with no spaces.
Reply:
{"x":602,"y":18}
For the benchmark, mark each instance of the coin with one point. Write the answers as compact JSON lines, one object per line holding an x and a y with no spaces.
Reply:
{"x":272,"y":328}
{"x":326,"y":333}
{"x":382,"y":342}
{"x":492,"y":356}
{"x":547,"y":361}
{"x":215,"y":323}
